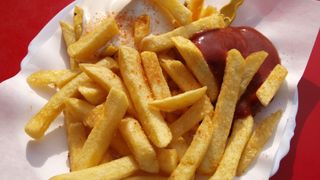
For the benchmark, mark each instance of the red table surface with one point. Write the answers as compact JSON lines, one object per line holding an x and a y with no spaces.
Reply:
{"x":21,"y":20}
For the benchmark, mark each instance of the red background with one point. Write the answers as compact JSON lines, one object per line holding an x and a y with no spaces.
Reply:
{"x":21,"y":20}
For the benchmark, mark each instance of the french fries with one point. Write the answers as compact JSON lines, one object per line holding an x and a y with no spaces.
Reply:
{"x":119,"y":145}
{"x":47,"y":77}
{"x":107,"y":157}
{"x":141,"y":28}
{"x":116,"y":169}
{"x":101,"y":135}
{"x":168,"y":160}
{"x":79,"y":109}
{"x":208,"y":11}
{"x":179,"y":101}
{"x":151,"y":120}
{"x":88,"y":44}
{"x":93,"y":93}
{"x":69,"y":37}
{"x":77,"y":21}
{"x":139,"y":145}
{"x":241,"y":132}
{"x":195,"y":152}
{"x":224,"y":111}
{"x":195,"y":7}
{"x":271,"y":85}
{"x":110,"y":50}
{"x":111,"y":64}
{"x":179,"y":145}
{"x":258,"y":139}
{"x":154,"y":177}
{"x":93,"y":116}
{"x":163,"y":41}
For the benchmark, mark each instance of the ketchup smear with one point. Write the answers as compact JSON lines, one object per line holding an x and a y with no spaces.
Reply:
{"x":214,"y":45}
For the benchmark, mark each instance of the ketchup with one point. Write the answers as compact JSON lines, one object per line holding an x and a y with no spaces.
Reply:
{"x":214,"y":45}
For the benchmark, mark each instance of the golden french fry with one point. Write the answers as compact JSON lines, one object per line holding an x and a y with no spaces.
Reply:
{"x":208,"y":11}
{"x":196,"y":151}
{"x":139,"y":145}
{"x":93,"y":93}
{"x":119,"y":145}
{"x":197,"y":64}
{"x":79,"y":109}
{"x":153,"y":177}
{"x":180,"y":146}
{"x":179,"y":101}
{"x":241,"y":132}
{"x":141,"y":28}
{"x":88,"y":44}
{"x":168,"y":160}
{"x":252,"y":65}
{"x":224,"y":111}
{"x":102,"y":133}
{"x":195,"y":7}
{"x":151,"y":120}
{"x":163,"y":41}
{"x":110,"y":50}
{"x":180,"y":74}
{"x":107,"y":157}
{"x":272,"y":84}
{"x":111,"y":64}
{"x":157,"y":82}
{"x":69,"y":37}
{"x":47,"y":77}
{"x":258,"y":139}
{"x":116,"y":169}
{"x":78,"y":21}
{"x":175,"y":8}
{"x":107,"y":79}
{"x":93,"y":116}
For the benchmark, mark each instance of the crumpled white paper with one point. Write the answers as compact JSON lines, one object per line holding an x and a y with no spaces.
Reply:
{"x":291,"y":25}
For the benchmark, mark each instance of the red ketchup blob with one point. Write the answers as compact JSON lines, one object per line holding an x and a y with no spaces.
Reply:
{"x":214,"y":45}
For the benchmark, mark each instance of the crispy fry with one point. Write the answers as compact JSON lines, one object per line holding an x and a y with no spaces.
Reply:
{"x":101,"y":135}
{"x":117,"y":169}
{"x":46,"y":77}
{"x":69,"y":37}
{"x":241,"y":132}
{"x":111,"y":64}
{"x":110,"y":50}
{"x":208,"y":11}
{"x":224,"y":111}
{"x":93,"y":116}
{"x":79,"y":109}
{"x":196,"y":151}
{"x":88,"y":44}
{"x":197,"y":64}
{"x":163,"y":41}
{"x":93,"y":93}
{"x":180,"y":146}
{"x":258,"y":139}
{"x":78,"y":21}
{"x":272,"y":84}
{"x":179,"y":101}
{"x":151,"y":120}
{"x":195,"y":7}
{"x":139,"y":145}
{"x":157,"y":82}
{"x":168,"y":160}
{"x":141,"y":28}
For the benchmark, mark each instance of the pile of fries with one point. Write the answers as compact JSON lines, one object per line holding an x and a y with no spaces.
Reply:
{"x":139,"y":113}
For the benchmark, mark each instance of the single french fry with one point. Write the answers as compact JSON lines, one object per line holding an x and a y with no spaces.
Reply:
{"x":153,"y":177}
{"x":88,"y":44}
{"x":119,"y":145}
{"x":93,"y":116}
{"x":69,"y":37}
{"x":78,"y":108}
{"x":141,"y":28}
{"x":107,"y":79}
{"x":163,"y":41}
{"x":180,"y":146}
{"x":168,"y":160}
{"x":111,"y":64}
{"x":271,"y":85}
{"x":180,"y":74}
{"x":93,"y":93}
{"x":151,"y":119}
{"x":107,"y":157}
{"x":47,"y":77}
{"x":157,"y":82}
{"x":208,"y":11}
{"x":116,"y":169}
{"x":139,"y":145}
{"x":260,"y":136}
{"x":179,"y":101}
{"x":78,"y":21}
{"x":196,"y":151}
{"x":224,"y":111}
{"x":197,"y":64}
{"x":101,"y":135}
{"x":252,"y":65}
{"x":181,"y":14}
{"x":241,"y":132}
{"x":110,"y":50}
{"x":195,"y":7}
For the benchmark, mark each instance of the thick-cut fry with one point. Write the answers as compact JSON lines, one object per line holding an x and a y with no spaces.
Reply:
{"x":101,"y":135}
{"x":111,"y":64}
{"x":141,"y":28}
{"x":252,"y":65}
{"x":79,"y":109}
{"x":154,"y":177}
{"x":180,"y":74}
{"x":195,"y":7}
{"x":163,"y":41}
{"x":119,"y":145}
{"x":47,"y":77}
{"x":272,"y":84}
{"x":168,"y":160}
{"x":179,"y":101}
{"x":93,"y":93}
{"x":116,"y":169}
{"x":139,"y":145}
{"x":107,"y":79}
{"x":175,"y":8}
{"x":88,"y":44}
{"x":69,"y":37}
{"x":157,"y":82}
{"x":78,"y":21}
{"x":110,"y":50}
{"x":224,"y":111}
{"x":179,"y":145}
{"x":94,"y":115}
{"x":208,"y":11}
{"x":196,"y":151}
{"x":197,"y":64}
{"x":241,"y":132}
{"x":151,"y":119}
{"x":258,"y":139}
